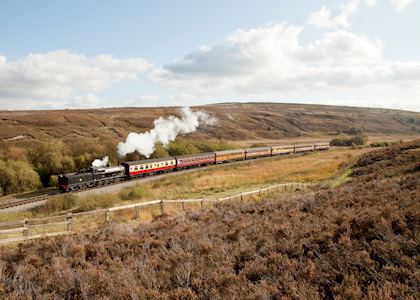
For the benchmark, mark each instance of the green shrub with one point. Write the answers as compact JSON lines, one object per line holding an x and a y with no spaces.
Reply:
{"x":359,"y":140}
{"x":354,"y":131}
{"x":182,"y":147}
{"x":381,"y":144}
{"x":58,"y":204}
{"x":356,"y":140}
{"x":48,"y":159}
{"x":17,"y":176}
{"x":256,"y":145}
{"x":96,"y":201}
{"x":160,"y":151}
{"x":53,"y":180}
{"x":211,"y":146}
{"x":138,"y":192}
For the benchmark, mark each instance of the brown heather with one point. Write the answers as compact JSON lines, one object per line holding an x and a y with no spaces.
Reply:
{"x":359,"y":240}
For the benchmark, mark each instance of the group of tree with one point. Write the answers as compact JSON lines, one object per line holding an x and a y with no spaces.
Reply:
{"x":17,"y":176}
{"x":36,"y":166}
{"x":356,"y":138}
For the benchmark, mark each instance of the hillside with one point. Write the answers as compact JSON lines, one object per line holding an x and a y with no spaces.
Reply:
{"x":358,"y":240}
{"x":236,"y":122}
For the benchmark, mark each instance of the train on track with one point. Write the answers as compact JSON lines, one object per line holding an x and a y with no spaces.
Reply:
{"x":99,"y":176}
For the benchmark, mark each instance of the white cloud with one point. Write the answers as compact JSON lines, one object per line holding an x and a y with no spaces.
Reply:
{"x":62,"y":74}
{"x":323,"y":18}
{"x":271,"y":63}
{"x":400,"y":5}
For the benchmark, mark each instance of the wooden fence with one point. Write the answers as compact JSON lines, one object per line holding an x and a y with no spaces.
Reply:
{"x":64,"y":224}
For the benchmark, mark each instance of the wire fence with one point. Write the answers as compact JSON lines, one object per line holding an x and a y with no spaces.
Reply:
{"x":28,"y":229}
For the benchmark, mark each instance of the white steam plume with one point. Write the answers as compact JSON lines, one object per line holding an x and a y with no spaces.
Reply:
{"x":100,"y":162}
{"x":165,"y":131}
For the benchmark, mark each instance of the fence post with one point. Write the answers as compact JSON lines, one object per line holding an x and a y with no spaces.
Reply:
{"x":69,"y":221}
{"x":183,"y":204}
{"x":26,"y":227}
{"x":137,"y":213}
{"x":242,"y":198}
{"x":202,"y":202}
{"x":107,"y":216}
{"x":162,"y":209}
{"x":259,"y":192}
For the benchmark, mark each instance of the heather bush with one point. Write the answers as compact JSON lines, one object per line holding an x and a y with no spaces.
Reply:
{"x":359,"y":240}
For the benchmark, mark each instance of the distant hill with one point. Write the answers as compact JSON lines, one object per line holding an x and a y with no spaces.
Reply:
{"x":237,"y":121}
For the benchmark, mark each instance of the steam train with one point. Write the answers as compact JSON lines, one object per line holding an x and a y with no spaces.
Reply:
{"x":99,"y":176}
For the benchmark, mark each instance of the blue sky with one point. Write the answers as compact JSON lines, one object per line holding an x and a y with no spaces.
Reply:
{"x":80,"y":54}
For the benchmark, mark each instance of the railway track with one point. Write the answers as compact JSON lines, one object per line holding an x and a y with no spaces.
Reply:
{"x":18,"y":202}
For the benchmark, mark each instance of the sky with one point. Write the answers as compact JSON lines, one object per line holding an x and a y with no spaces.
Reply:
{"x":93,"y":54}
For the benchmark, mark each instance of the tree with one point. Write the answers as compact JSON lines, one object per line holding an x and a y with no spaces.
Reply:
{"x":48,"y":159}
{"x":182,"y":147}
{"x":160,"y":151}
{"x":358,"y":139}
{"x":17,"y":176}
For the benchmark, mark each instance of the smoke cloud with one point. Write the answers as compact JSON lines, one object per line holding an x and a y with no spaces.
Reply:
{"x":100,"y":162}
{"x":165,"y":131}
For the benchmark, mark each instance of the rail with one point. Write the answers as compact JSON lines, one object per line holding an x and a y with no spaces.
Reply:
{"x":18,"y":202}
{"x":29,"y":229}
